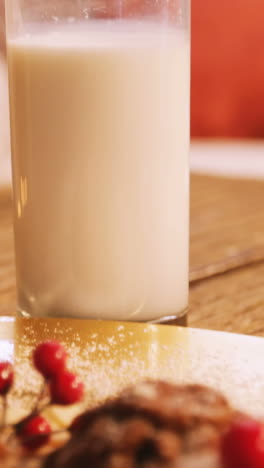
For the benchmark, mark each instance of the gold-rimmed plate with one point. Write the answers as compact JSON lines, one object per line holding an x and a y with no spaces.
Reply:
{"x":110,"y":355}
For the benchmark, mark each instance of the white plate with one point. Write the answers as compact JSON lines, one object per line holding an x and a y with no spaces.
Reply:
{"x":111,"y":355}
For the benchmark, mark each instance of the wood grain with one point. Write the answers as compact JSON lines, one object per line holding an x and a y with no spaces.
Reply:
{"x":232,"y":301}
{"x":226,"y":251}
{"x":227,"y":224}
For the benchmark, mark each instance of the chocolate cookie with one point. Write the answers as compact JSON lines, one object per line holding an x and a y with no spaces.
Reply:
{"x":153,"y":424}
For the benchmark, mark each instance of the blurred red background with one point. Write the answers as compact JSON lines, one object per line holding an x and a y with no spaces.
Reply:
{"x":227,"y":68}
{"x":227,"y":65}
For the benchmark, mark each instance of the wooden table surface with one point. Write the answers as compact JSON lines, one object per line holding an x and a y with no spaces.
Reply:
{"x":226,"y":255}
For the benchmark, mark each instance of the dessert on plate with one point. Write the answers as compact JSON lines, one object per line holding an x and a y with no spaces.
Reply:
{"x":152,"y":424}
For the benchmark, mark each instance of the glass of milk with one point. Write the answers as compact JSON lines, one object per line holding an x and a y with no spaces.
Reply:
{"x":99,"y":105}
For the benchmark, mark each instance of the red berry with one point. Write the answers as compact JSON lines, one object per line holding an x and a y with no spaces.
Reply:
{"x":66,"y":389}
{"x":34,"y":432}
{"x":243,"y":445}
{"x":50,"y":358}
{"x":6,"y":377}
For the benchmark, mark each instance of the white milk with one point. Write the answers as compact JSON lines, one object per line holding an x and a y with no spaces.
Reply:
{"x":100,"y":138}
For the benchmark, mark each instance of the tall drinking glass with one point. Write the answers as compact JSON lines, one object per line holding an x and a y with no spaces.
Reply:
{"x":99,"y":103}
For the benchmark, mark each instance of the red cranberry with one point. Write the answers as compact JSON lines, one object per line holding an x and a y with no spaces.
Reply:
{"x":50,"y":358}
{"x":6,"y":377}
{"x":66,"y":389}
{"x":243,"y":445}
{"x":34,"y":432}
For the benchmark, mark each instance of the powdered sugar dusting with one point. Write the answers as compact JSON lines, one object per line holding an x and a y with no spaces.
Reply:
{"x":146,"y":390}
{"x":106,"y":362}
{"x":109,"y":356}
